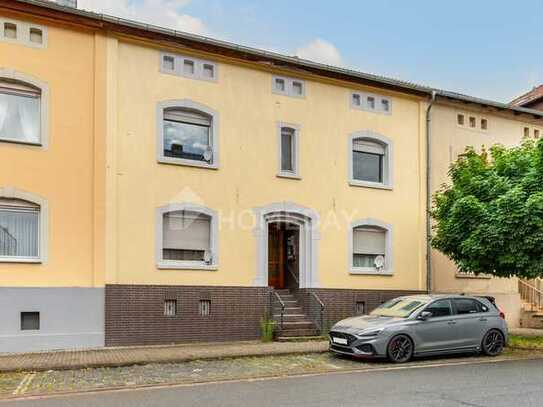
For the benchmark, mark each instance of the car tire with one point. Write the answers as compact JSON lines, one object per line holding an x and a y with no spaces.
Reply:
{"x":493,"y":343}
{"x":400,"y":349}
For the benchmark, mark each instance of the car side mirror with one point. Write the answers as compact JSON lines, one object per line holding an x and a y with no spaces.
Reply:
{"x":424,"y":315}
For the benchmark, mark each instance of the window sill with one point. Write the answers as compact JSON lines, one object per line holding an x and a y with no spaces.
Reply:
{"x":288,"y":175}
{"x":370,"y":271}
{"x":187,"y":163}
{"x":164,"y":265}
{"x":365,"y":184}
{"x":24,"y":143}
{"x":473,"y":276}
{"x":20,"y":260}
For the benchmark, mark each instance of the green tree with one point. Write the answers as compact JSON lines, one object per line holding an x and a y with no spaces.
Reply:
{"x":490,"y":218}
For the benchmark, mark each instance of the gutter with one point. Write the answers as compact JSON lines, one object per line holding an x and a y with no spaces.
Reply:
{"x":429,"y":193}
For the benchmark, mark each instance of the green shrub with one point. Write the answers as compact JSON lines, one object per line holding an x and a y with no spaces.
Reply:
{"x":267,"y":327}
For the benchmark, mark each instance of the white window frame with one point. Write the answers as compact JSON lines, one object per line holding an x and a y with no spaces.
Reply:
{"x":296,"y":158}
{"x":213,"y":133}
{"x":23,"y":33}
{"x":388,"y":160}
{"x":378,"y":102}
{"x":388,"y":269}
{"x":11,"y":74}
{"x":178,"y":70}
{"x":163,"y":264}
{"x":13,"y":193}
{"x":288,"y":86}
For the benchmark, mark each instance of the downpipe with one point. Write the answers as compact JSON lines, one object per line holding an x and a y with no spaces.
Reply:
{"x":429,"y":280}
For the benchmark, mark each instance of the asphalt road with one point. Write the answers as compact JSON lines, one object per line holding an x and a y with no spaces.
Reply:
{"x":517,"y":383}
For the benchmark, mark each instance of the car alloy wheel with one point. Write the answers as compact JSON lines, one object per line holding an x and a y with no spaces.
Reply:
{"x":493,"y":343}
{"x":400,"y":349}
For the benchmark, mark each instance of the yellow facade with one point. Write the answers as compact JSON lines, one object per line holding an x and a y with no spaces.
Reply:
{"x":63,"y":173}
{"x":246,"y":177}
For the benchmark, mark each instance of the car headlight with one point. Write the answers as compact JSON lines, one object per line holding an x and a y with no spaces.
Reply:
{"x":373,"y":332}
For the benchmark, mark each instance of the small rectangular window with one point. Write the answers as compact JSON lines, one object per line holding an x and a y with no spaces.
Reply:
{"x":287,"y":149}
{"x":30,"y":321}
{"x":188,"y":67}
{"x":484,"y":124}
{"x":385,"y":105}
{"x":472,"y":122}
{"x":460,"y":119}
{"x":280,"y":85}
{"x":36,"y":35}
{"x":204,"y":308}
{"x":360,"y":308}
{"x":10,"y":30}
{"x":526,"y":132}
{"x":168,"y":62}
{"x":208,"y":71}
{"x":371,"y":102}
{"x":356,"y":99}
{"x":170,"y":308}
{"x":536,"y":133}
{"x":297,"y":88}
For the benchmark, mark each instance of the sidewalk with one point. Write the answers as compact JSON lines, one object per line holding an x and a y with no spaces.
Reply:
{"x":126,"y":356}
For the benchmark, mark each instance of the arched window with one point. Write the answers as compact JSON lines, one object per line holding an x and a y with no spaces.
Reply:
{"x":370,"y":247}
{"x":23,"y":227}
{"x":187,"y":134}
{"x":20,"y":112}
{"x":187,"y":237}
{"x":370,"y":163}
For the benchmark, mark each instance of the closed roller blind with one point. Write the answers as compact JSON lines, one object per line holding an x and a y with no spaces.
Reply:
{"x":368,"y":241}
{"x":186,"y":230}
{"x":187,"y":116}
{"x":368,"y":147}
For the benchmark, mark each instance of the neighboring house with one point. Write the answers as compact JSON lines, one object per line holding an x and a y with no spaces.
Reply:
{"x":51,"y":208}
{"x":184,"y":187}
{"x":532,"y":99}
{"x":455,"y":126}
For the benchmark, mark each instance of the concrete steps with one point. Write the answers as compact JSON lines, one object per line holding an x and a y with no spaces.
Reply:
{"x":296,"y":324}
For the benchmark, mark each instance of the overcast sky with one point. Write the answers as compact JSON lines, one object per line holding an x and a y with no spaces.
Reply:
{"x":490,"y":49}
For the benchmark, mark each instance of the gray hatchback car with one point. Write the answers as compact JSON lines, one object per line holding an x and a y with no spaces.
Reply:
{"x":422,"y":325}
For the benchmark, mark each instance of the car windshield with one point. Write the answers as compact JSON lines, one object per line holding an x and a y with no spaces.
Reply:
{"x":399,"y":307}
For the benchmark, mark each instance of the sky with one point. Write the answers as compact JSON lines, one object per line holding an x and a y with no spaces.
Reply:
{"x":483,"y":48}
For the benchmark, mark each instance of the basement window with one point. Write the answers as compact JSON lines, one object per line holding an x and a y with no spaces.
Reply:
{"x":30,"y":321}
{"x":204,"y":308}
{"x":360,"y":308}
{"x":10,"y":30}
{"x":170,"y":308}
{"x":36,"y":35}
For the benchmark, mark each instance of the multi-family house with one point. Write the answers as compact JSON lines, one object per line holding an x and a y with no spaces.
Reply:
{"x":162,"y":187}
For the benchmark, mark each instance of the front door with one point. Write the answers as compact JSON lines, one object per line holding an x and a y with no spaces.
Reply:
{"x":276,"y":255}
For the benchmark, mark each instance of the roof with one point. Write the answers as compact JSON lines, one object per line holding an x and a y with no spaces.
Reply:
{"x":130,"y":27}
{"x":529,"y":97}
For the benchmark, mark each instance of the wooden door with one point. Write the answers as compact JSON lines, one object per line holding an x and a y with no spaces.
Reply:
{"x":276,"y":255}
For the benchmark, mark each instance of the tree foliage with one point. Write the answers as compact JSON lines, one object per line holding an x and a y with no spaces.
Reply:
{"x":490,"y":218}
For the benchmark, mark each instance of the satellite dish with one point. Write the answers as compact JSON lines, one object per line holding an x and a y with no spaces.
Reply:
{"x":208,"y":154}
{"x":379,"y":262}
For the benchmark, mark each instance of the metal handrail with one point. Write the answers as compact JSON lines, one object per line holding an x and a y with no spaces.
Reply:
{"x":530,"y":294}
{"x":278,"y":297}
{"x":316,"y":297}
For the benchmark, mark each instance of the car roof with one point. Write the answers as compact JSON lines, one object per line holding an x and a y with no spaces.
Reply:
{"x":432,"y":297}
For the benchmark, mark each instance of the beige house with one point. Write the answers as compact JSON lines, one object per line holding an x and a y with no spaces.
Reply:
{"x":477,"y":123}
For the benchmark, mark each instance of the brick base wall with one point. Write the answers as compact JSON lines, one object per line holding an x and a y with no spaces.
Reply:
{"x":341,"y":303}
{"x":135,"y":314}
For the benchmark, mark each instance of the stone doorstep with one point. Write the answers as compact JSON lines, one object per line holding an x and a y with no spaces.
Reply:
{"x":140,"y":355}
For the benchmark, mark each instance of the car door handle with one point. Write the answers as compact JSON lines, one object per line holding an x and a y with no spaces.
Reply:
{"x":452,"y":322}
{"x":482,"y":319}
